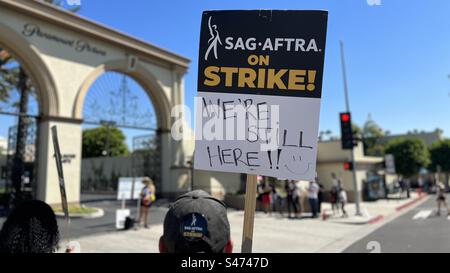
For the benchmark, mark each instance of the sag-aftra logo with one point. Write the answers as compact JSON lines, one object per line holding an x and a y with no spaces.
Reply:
{"x":251,"y":43}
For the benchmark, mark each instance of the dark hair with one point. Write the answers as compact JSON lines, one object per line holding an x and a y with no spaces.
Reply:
{"x":30,"y":228}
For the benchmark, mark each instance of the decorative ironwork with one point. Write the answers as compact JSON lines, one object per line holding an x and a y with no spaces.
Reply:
{"x":26,"y":167}
{"x":146,"y":157}
{"x":117,"y":98}
{"x":18,"y":98}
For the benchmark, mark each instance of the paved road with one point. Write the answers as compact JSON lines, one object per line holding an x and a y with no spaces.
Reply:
{"x":83,"y":227}
{"x":418,"y":230}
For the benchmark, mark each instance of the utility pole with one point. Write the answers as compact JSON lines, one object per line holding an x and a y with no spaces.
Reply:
{"x":352,"y":152}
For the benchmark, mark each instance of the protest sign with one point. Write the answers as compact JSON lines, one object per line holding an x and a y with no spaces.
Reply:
{"x":259,"y":90}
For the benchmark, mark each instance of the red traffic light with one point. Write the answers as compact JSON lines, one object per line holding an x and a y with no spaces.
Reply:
{"x":345,"y":117}
{"x":348,"y":166}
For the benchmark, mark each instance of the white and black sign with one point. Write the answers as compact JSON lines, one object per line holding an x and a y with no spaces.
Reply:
{"x":259,"y":90}
{"x":389,"y":162}
{"x":129,"y":188}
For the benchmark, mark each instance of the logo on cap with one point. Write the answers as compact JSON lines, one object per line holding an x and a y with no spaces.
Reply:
{"x":194,"y":220}
{"x":194,"y":226}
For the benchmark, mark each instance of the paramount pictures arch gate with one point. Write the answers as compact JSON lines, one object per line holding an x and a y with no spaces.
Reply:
{"x":64,"y":54}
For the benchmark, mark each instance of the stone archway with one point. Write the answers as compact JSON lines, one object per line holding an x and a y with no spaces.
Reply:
{"x":157,"y":97}
{"x":29,"y":57}
{"x":65,"y":54}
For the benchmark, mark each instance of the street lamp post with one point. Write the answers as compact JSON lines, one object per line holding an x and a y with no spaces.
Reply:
{"x":347,"y":105}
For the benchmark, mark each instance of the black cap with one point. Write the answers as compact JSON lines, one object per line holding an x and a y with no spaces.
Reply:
{"x":196,"y":222}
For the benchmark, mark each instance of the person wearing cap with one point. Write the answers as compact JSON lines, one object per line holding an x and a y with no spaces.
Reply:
{"x":196,"y":223}
{"x":147,"y":198}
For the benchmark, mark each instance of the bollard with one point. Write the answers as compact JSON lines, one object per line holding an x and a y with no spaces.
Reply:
{"x":324,"y":215}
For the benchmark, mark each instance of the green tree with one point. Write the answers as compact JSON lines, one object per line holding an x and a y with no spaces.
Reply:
{"x":357,"y":131}
{"x":323,"y":134}
{"x":440,"y":156}
{"x":410,"y":155}
{"x":8,"y":77}
{"x":371,"y":133}
{"x":104,"y":141}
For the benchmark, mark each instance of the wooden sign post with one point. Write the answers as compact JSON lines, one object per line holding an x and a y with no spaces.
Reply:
{"x":249,"y":213}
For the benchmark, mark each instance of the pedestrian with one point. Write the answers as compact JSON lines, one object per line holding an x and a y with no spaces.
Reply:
{"x":277,"y":200}
{"x":292,"y":198}
{"x":266,"y":198}
{"x":320,"y":197}
{"x":402,"y":186}
{"x":196,"y":223}
{"x":408,"y":188}
{"x":441,"y":199}
{"x":148,"y":196}
{"x":336,"y":181}
{"x":342,"y":195}
{"x":313,"y":192}
{"x":420,"y":183}
{"x":30,"y":228}
{"x":334,"y":199}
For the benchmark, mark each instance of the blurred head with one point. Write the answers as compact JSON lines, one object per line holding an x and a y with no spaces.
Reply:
{"x":196,"y":222}
{"x":147,"y":181}
{"x":30,"y":228}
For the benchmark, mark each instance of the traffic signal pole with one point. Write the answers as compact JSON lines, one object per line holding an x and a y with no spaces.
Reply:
{"x":352,"y":152}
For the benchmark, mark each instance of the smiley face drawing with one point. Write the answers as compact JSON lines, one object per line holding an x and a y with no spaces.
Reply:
{"x":296,"y":165}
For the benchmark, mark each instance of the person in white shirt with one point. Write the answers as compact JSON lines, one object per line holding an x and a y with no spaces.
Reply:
{"x":342,"y":201}
{"x":441,"y":199}
{"x":313,"y":193}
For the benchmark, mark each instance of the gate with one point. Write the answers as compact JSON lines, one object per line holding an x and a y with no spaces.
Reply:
{"x":19,"y":172}
{"x":146,"y":158}
{"x":116,"y":100}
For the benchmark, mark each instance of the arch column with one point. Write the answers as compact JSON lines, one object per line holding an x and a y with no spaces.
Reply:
{"x":180,"y":173}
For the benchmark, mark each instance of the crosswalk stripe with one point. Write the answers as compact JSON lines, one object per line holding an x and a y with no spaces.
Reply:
{"x":422,"y":214}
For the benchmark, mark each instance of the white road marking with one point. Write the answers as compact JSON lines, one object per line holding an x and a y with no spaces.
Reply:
{"x":422,"y":214}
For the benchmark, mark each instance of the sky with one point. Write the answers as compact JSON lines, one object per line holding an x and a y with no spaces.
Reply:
{"x":397,"y":53}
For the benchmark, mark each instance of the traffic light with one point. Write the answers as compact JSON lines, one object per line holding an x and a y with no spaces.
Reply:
{"x":348,"y":166}
{"x":346,"y":131}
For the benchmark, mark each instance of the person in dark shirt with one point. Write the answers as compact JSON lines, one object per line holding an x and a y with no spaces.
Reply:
{"x":292,"y":198}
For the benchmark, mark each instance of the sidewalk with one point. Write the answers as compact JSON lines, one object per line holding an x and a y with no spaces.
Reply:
{"x":271,"y":233}
{"x":372,"y":212}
